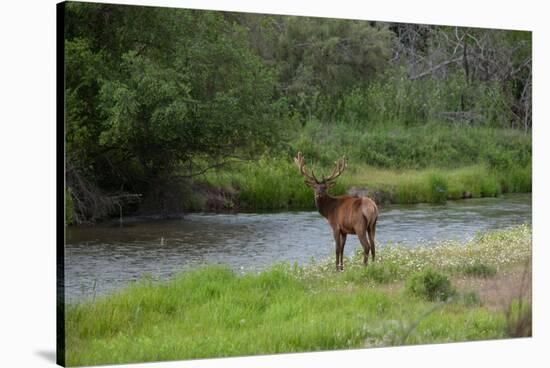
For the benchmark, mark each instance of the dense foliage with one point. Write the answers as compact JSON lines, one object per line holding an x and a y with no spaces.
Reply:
{"x":157,"y":96}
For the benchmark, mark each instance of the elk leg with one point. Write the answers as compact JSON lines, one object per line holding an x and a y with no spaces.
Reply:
{"x":371,"y":233}
{"x":342,"y":244}
{"x":366,"y":247}
{"x":338,"y":247}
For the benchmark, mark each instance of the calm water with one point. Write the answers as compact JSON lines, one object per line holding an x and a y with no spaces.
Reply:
{"x":104,"y":258}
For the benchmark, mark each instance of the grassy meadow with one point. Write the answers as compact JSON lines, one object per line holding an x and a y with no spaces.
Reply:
{"x":435,"y":294}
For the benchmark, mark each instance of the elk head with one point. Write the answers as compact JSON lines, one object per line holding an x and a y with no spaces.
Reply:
{"x":321,"y":186}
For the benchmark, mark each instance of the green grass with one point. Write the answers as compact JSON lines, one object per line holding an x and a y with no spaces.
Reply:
{"x":268,"y":184}
{"x":276,"y":184}
{"x":479,"y":269}
{"x":428,"y":185}
{"x":214,"y":312}
{"x":395,"y":146}
{"x":397,"y":164}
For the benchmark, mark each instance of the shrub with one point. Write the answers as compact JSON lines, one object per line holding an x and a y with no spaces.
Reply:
{"x":430,"y":285}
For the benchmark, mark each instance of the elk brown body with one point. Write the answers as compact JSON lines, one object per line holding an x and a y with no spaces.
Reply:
{"x":345,"y":214}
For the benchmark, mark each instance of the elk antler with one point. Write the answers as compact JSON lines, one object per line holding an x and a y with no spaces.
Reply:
{"x":341,"y":165}
{"x":299,"y":161}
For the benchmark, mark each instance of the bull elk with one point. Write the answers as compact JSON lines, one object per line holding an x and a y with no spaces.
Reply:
{"x":345,"y":214}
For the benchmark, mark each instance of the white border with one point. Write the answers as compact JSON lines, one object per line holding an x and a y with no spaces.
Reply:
{"x":27,"y":154}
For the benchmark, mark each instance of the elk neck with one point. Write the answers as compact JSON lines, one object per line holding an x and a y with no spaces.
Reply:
{"x":325,"y":203}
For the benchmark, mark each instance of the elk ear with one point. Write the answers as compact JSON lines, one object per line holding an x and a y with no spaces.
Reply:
{"x":331,"y":184}
{"x":309,"y":183}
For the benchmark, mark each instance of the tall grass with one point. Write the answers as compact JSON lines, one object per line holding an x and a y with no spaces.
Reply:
{"x":277,"y":184}
{"x":270,"y":183}
{"x":399,"y":164}
{"x":214,"y":312}
{"x":396,"y":98}
{"x":394,"y":146}
{"x":439,"y":185}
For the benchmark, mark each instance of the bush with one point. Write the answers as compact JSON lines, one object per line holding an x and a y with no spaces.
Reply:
{"x":430,"y":285}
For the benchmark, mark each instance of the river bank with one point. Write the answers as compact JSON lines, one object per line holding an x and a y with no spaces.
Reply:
{"x":391,"y":163}
{"x":394,"y":164}
{"x":275,"y":185}
{"x":213,"y":311}
{"x":103,"y":258}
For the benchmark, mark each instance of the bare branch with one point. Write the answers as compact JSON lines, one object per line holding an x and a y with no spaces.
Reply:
{"x":435,"y":68}
{"x":229,"y":159}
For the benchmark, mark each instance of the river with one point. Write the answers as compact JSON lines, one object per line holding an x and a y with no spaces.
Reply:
{"x":103,"y":258}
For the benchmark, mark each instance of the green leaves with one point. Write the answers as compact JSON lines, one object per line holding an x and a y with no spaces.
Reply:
{"x":320,"y":60}
{"x":148,"y":101}
{"x":150,"y":90}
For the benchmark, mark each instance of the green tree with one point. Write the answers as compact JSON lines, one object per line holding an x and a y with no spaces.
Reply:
{"x":154,"y":92}
{"x":320,"y":60}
